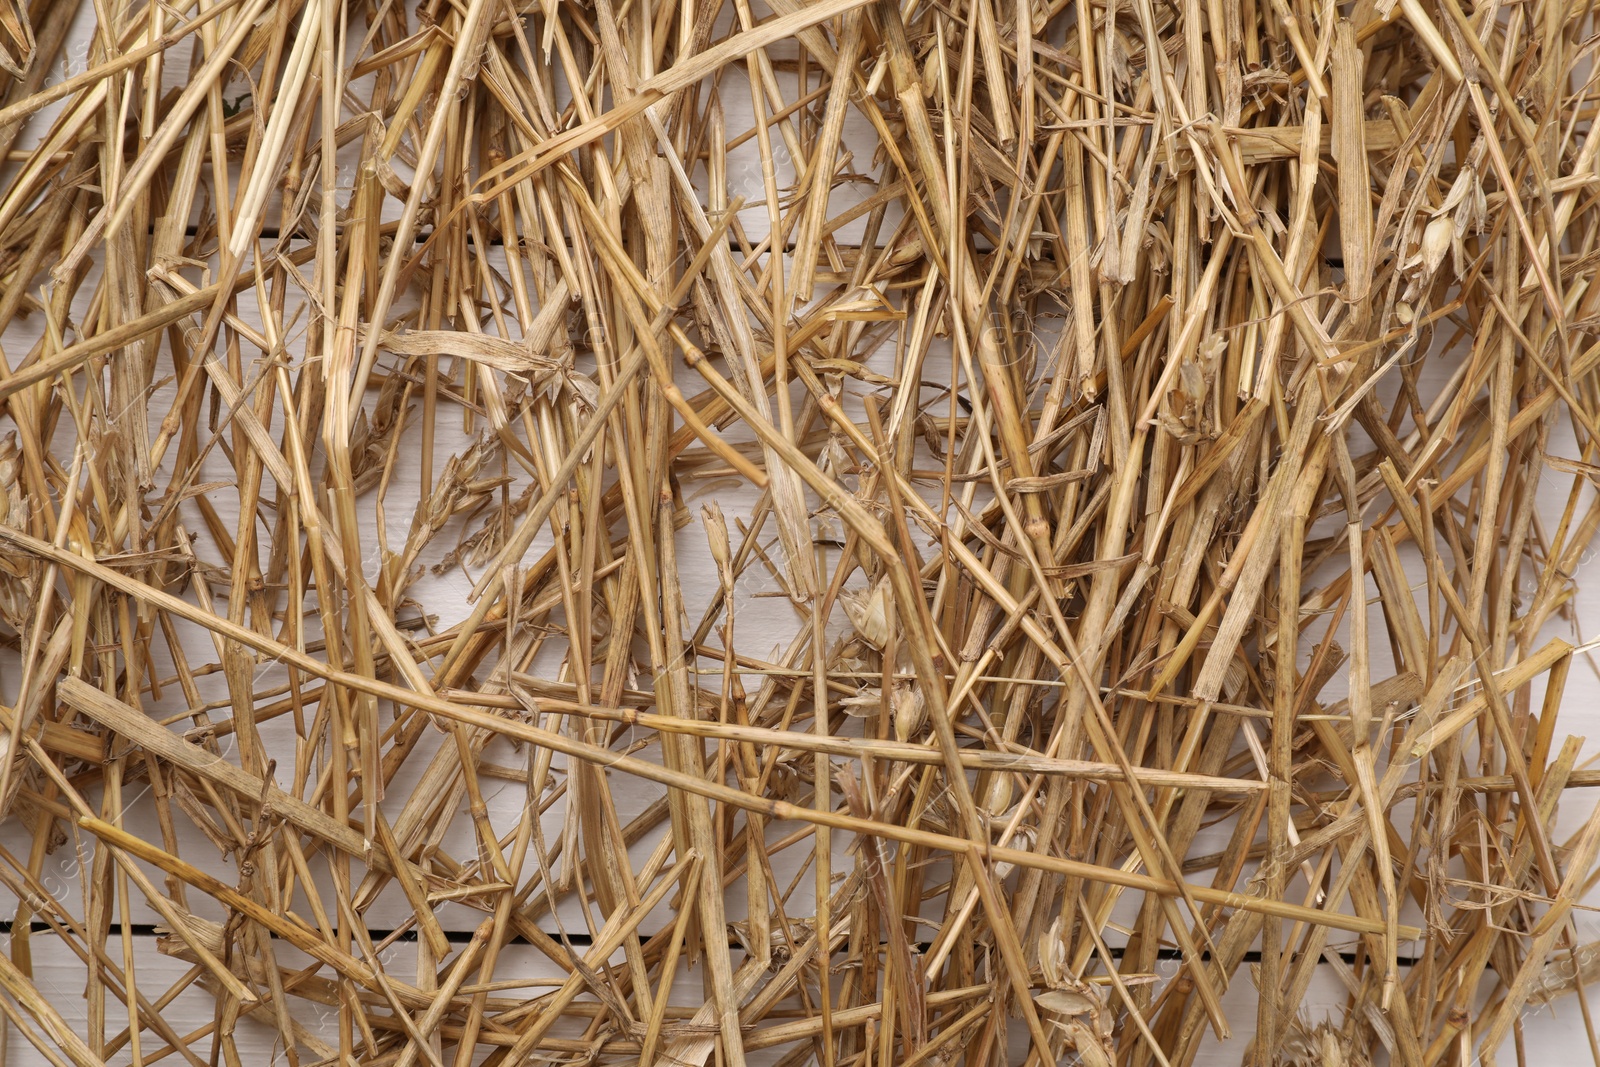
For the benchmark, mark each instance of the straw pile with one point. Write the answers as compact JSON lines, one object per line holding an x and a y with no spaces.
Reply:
{"x":847,"y":532}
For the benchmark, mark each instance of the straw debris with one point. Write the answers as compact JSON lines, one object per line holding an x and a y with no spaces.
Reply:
{"x":845,"y":532}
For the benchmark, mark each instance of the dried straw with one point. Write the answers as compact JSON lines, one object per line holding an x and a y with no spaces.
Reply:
{"x":844,"y":532}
